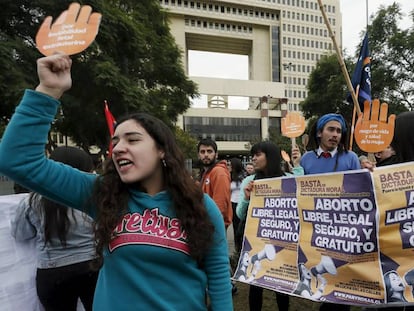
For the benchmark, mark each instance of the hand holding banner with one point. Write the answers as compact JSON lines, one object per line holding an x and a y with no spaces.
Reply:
{"x":72,"y":32}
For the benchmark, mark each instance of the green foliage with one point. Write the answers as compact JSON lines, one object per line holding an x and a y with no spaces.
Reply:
{"x":392,"y":62}
{"x":327,"y":90}
{"x":283,"y":142}
{"x":187,"y":143}
{"x":392,"y":66}
{"x":134,"y":64}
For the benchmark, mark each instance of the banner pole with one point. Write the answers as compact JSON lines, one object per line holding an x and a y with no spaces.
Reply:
{"x":341,"y":61}
{"x":351,"y":138}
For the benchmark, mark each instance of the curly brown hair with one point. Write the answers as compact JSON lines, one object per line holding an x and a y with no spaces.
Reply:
{"x":111,"y":194}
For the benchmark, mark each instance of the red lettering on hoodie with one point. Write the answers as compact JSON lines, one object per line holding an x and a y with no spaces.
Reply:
{"x":149,"y":228}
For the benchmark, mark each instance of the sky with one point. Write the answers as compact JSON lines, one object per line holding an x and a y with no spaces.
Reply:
{"x":354,"y":19}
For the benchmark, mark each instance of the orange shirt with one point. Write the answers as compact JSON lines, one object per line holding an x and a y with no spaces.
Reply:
{"x":216,"y":183}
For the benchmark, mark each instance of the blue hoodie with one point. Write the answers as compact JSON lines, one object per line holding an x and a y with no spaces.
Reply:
{"x":147,"y":266}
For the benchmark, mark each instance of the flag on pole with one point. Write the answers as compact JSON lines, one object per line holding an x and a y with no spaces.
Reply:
{"x":110,"y":121}
{"x":362,"y":75}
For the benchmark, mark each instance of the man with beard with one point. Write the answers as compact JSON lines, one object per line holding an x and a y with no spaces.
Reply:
{"x":329,"y":140}
{"x":215,"y":181}
{"x":215,"y":178}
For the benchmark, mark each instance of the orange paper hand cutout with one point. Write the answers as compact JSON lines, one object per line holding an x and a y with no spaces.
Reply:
{"x":293,"y":125}
{"x":72,"y":32}
{"x":373,"y":132}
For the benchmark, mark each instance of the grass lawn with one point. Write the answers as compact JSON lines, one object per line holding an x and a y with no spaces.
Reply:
{"x":241,"y":301}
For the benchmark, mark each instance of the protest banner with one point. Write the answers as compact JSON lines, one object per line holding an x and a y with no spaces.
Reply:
{"x":270,"y":246}
{"x":394,"y":188}
{"x":335,"y":237}
{"x":338,"y":239}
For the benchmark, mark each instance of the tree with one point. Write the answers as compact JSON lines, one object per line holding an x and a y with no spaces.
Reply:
{"x":327,"y":90}
{"x":392,"y":64}
{"x":134,"y":64}
{"x":187,"y":143}
{"x":283,"y":142}
{"x":17,"y":55}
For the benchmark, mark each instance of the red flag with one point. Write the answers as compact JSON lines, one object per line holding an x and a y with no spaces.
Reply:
{"x":110,"y":121}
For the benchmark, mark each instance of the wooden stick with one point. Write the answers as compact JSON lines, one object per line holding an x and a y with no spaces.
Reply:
{"x":341,"y":61}
{"x":351,"y":136}
{"x":293,"y":141}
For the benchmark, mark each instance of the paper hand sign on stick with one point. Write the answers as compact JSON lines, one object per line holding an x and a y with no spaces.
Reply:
{"x":373,"y":132}
{"x":293,"y":125}
{"x":72,"y":32}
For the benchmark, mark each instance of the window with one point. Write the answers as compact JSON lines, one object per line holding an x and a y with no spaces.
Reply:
{"x":223,"y":129}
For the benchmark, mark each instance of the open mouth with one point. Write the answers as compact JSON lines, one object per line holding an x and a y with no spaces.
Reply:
{"x":122,"y":163}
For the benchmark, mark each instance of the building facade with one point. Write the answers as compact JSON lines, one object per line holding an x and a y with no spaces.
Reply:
{"x":283,"y":40}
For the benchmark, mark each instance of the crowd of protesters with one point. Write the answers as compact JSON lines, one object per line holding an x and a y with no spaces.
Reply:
{"x":157,"y":238}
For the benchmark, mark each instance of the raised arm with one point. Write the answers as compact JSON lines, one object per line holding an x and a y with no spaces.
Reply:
{"x":22,"y":147}
{"x":54,"y":75}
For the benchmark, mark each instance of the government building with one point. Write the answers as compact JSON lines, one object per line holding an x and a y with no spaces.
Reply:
{"x":282,"y":41}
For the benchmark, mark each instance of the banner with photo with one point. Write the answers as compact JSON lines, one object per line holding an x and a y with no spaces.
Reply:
{"x":344,"y":237}
{"x":394,"y":189}
{"x":268,"y":256}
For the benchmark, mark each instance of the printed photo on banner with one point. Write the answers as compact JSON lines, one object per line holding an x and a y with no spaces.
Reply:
{"x":317,"y":237}
{"x":338,"y":237}
{"x":269,"y":252}
{"x":394,"y":188}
